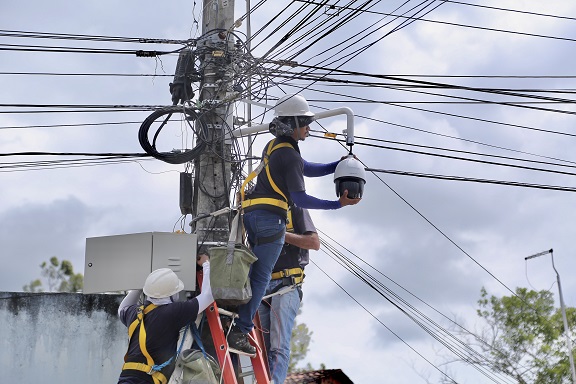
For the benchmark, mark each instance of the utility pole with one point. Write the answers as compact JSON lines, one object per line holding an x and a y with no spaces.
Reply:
{"x":566,"y":329}
{"x":213,"y":167}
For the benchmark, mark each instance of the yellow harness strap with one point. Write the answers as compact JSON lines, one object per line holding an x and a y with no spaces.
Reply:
{"x":157,"y":376}
{"x":264,"y":164}
{"x":289,"y":223}
{"x":287,"y":272}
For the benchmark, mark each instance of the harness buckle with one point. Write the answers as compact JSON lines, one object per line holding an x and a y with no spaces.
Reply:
{"x":151,"y":371}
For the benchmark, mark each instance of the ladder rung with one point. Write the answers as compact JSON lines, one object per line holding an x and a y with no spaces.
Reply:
{"x":227,"y":313}
{"x":245,"y":374}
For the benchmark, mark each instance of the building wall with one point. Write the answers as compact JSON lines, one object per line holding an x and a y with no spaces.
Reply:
{"x":60,"y":338}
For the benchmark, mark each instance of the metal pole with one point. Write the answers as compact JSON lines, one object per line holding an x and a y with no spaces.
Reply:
{"x":568,"y":341}
{"x":564,"y":319}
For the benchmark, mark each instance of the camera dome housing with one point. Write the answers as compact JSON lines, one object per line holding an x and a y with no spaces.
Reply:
{"x":350,"y":175}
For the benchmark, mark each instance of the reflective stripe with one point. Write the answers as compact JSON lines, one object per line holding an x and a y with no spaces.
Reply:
{"x":157,"y":376}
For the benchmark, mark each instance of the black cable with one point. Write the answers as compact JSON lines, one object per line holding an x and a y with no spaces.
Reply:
{"x":459,"y":347}
{"x":174,"y":157}
{"x":381,"y":323}
{"x":38,"y":48}
{"x":451,"y":87}
{"x":459,"y":151}
{"x":460,"y":158}
{"x":486,"y":181}
{"x":510,"y":10}
{"x":87,"y":74}
{"x":67,"y":125}
{"x":464,"y":25}
{"x":447,"y":114}
{"x":68,"y":36}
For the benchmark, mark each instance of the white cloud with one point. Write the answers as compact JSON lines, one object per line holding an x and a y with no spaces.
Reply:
{"x":45,"y":213}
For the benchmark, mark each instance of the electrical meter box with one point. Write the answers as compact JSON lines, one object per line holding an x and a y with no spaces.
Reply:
{"x":122,"y":262}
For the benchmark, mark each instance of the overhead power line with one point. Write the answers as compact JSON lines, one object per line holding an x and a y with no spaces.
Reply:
{"x":486,"y":181}
{"x":69,"y":36}
{"x":40,"y":48}
{"x":88,"y":74}
{"x":511,"y":10}
{"x":458,"y":24}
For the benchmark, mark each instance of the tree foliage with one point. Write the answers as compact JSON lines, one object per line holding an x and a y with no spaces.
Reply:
{"x":299,"y":345}
{"x":525,"y":336}
{"x":58,"y":276}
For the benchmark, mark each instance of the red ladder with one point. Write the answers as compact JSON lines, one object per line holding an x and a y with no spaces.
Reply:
{"x":259,"y":362}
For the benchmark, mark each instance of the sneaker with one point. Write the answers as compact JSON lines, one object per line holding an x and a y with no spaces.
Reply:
{"x":238,"y":343}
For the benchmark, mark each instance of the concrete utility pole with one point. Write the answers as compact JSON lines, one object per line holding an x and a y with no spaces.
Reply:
{"x":212,"y":169}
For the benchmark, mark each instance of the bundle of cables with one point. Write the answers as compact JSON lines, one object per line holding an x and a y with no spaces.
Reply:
{"x":191,"y":118}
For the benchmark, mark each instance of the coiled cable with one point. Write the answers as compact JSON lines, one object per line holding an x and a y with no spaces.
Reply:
{"x":174,"y":157}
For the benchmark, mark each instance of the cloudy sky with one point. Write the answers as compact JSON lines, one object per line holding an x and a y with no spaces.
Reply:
{"x":452,"y":90}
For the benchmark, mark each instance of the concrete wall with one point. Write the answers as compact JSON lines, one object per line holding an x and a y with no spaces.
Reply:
{"x":60,"y":338}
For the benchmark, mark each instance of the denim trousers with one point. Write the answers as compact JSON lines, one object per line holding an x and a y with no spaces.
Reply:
{"x":260,"y":224}
{"x":277,"y":316}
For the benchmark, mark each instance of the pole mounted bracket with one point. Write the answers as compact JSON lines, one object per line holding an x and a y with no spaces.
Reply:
{"x":349,"y":131}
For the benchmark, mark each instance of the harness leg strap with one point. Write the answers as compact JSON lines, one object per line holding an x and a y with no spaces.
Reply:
{"x":268,"y":239}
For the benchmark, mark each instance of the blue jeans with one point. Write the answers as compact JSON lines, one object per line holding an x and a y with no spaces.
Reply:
{"x":277,"y":319}
{"x":259,"y":224}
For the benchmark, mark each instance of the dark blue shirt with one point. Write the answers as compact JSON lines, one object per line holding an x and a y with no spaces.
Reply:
{"x":162,"y":325}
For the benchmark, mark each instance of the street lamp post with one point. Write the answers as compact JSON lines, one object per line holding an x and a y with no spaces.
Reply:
{"x":566,"y":331}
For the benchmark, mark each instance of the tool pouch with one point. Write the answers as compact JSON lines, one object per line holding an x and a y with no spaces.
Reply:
{"x":229,"y":268}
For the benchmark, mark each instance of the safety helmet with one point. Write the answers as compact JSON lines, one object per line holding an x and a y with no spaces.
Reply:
{"x":292,"y":105}
{"x":162,"y":283}
{"x":350,"y":175}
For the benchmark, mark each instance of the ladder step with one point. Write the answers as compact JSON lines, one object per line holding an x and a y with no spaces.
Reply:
{"x":227,"y":313}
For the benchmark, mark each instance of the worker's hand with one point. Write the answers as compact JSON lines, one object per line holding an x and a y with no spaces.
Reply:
{"x":345,"y":200}
{"x":200,"y":259}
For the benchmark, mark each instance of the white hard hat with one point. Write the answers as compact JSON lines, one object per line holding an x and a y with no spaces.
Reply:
{"x":350,"y":175}
{"x":162,"y":283}
{"x":292,"y":105}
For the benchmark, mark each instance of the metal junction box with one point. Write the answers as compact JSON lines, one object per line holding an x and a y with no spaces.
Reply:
{"x":122,"y":262}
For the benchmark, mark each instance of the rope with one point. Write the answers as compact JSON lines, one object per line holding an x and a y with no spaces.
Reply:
{"x":159,"y":367}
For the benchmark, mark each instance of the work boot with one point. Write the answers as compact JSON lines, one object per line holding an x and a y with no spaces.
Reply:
{"x":238,"y":343}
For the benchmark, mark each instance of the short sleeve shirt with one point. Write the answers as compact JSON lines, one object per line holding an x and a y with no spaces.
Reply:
{"x":292,"y":256}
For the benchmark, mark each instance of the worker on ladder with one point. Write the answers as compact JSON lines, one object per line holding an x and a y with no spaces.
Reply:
{"x":284,"y":293}
{"x":154,"y":328}
{"x":266,"y":205}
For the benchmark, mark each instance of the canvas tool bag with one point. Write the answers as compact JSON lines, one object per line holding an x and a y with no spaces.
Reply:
{"x":197,"y":366}
{"x":229,"y":267}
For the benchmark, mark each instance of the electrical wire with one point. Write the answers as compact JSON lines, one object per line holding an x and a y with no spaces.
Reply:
{"x":448,"y":339}
{"x":194,"y":121}
{"x":79,"y":37}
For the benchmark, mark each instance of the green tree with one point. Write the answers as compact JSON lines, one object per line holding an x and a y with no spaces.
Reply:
{"x":59,"y":277}
{"x":299,"y":344}
{"x":524,"y":337}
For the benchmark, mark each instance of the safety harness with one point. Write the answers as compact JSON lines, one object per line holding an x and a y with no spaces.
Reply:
{"x":296,"y":275}
{"x":290,"y":276}
{"x":264,"y":164}
{"x":150,"y":368}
